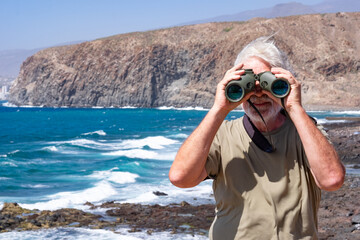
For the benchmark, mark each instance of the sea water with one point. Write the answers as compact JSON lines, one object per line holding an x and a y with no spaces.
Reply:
{"x":52,"y":158}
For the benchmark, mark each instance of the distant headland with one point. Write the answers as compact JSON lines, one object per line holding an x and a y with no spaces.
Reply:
{"x":181,"y":66}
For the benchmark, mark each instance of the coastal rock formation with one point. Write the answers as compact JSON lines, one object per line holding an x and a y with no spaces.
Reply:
{"x":181,"y":66}
{"x":12,"y":216}
{"x":345,"y":137}
{"x":339,"y":216}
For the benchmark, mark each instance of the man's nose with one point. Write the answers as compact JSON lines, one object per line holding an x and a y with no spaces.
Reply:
{"x":257,"y":89}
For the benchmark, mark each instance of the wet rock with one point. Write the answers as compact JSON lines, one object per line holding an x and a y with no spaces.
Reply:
{"x":338,"y":210}
{"x":157,"y":193}
{"x":92,"y":206}
{"x":12,"y":216}
{"x":346,"y":143}
{"x":356,"y":219}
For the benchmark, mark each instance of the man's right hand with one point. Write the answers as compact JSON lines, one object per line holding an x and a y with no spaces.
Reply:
{"x":221,"y":103}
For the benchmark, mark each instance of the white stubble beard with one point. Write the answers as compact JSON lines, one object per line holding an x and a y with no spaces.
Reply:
{"x":270,"y":111}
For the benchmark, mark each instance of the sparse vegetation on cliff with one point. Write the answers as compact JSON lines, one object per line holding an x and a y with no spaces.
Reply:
{"x":181,"y":66}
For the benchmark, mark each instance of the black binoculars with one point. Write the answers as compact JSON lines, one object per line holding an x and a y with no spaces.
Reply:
{"x":237,"y":89}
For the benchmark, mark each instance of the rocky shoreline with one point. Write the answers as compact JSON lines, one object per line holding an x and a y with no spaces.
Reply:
{"x":339,"y":213}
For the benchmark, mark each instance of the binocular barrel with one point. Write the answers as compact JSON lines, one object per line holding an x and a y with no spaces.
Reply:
{"x":237,"y":89}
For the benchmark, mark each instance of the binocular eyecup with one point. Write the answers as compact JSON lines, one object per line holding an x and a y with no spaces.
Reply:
{"x":237,"y":89}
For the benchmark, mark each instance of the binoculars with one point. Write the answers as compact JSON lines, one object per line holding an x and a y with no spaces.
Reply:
{"x":237,"y":89}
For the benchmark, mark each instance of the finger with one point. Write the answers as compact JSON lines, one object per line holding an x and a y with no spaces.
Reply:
{"x":232,"y":76}
{"x":282,"y":73}
{"x":291,"y":79}
{"x":239,"y":72}
{"x":278,"y":70}
{"x":237,"y":67}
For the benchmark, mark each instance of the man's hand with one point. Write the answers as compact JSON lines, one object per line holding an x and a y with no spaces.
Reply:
{"x":293,"y":100}
{"x":221,"y":102}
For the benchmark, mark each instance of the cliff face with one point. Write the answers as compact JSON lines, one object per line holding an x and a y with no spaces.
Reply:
{"x":181,"y":66}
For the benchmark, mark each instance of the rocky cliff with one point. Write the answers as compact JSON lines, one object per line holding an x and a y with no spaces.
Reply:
{"x":181,"y":66}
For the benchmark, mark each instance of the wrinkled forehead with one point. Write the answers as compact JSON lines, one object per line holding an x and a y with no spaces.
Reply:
{"x":257,"y":64}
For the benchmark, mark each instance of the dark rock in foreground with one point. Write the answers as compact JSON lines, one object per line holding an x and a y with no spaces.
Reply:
{"x":14,"y":217}
{"x":177,"y":218}
{"x":346,"y":138}
{"x":339,"y":215}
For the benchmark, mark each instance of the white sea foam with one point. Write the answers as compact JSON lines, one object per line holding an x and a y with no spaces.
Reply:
{"x":157,"y":142}
{"x":160,"y":235}
{"x":352,"y":171}
{"x":180,"y":135}
{"x":194,"y":108}
{"x":99,"y":132}
{"x":66,"y":233}
{"x":165,"y":108}
{"x":85,"y":143}
{"x":133,"y":153}
{"x":142,"y":154}
{"x":145,"y":197}
{"x":7,"y":104}
{"x":352,"y":112}
{"x":201,"y":194}
{"x":15,"y":151}
{"x":9,"y":163}
{"x":94,"y":234}
{"x":51,"y":149}
{"x":116,"y":177}
{"x":4,"y":178}
{"x":76,"y":199}
{"x":184,"y":108}
{"x":39,"y":161}
{"x":31,"y":106}
{"x":324,"y":121}
{"x":128,"y":107}
{"x":144,"y":193}
{"x":34,"y":186}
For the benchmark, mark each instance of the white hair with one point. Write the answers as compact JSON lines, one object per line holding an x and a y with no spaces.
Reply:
{"x":266,"y":49}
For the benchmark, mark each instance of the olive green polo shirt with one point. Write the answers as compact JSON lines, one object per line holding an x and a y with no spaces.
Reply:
{"x":261,"y":195}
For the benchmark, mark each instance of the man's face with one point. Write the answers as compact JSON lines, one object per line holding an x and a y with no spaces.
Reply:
{"x":261,"y":99}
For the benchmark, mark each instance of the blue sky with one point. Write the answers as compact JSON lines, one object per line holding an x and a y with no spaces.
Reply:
{"x":29,"y":24}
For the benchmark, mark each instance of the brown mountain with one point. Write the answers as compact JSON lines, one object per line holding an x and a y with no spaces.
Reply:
{"x":181,"y":66}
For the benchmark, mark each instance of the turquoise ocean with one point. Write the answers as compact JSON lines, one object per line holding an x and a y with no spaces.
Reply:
{"x":52,"y":158}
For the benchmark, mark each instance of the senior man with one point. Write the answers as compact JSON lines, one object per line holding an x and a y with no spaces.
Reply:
{"x":260,"y":194}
